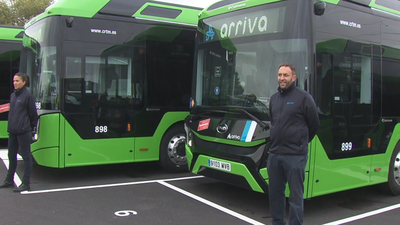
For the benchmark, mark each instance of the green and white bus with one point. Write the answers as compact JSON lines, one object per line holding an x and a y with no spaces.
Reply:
{"x":10,"y":50}
{"x":347,"y":56}
{"x":111,"y":79}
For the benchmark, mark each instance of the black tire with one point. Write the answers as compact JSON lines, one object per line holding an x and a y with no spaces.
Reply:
{"x":392,"y":187}
{"x":172,"y":150}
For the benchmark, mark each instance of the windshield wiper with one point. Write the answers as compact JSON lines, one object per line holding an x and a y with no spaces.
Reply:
{"x":261,"y":123}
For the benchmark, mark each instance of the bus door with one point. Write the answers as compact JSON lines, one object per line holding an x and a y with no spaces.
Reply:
{"x":98,"y":107}
{"x":344,"y":101}
{"x":352,"y":104}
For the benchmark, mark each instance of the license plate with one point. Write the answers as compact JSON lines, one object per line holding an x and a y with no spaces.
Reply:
{"x":219,"y":165}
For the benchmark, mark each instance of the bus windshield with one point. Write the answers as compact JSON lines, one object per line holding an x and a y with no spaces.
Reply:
{"x":238,"y":56}
{"x":39,"y":58}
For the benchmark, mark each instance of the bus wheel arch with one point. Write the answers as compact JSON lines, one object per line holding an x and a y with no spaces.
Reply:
{"x":393,"y":185}
{"x":172,"y":149}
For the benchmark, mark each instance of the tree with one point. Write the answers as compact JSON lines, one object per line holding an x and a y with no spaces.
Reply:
{"x":18,"y":12}
{"x":6,"y":16}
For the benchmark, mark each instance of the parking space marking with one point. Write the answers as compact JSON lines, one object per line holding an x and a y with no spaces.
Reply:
{"x":4,"y":158}
{"x":216,"y":206}
{"x":17,"y":181}
{"x":364,"y":215}
{"x":108,"y":185}
{"x":4,"y":154}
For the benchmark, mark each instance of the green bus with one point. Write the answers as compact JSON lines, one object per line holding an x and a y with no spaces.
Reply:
{"x":347,"y":56}
{"x":10,"y":49}
{"x":111,"y":79}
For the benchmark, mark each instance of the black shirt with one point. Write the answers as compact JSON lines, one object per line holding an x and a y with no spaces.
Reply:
{"x":294,"y":121}
{"x":23,"y":114}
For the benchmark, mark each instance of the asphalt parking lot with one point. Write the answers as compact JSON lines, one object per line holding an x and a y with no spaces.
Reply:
{"x":144,"y":194}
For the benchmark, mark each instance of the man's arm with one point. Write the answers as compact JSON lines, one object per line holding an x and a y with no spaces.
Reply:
{"x":311,"y":115}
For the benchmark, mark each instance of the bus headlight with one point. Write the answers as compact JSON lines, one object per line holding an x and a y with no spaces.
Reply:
{"x":189,"y":139}
{"x":188,"y":135}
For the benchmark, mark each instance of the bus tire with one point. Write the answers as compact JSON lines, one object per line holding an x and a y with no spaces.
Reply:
{"x":392,"y":187}
{"x":172,"y":150}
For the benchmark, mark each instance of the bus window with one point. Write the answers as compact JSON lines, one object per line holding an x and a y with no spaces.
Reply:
{"x":44,"y":81}
{"x":352,"y":79}
{"x":72,"y":84}
{"x":324,"y":73}
{"x":342,"y":79}
{"x":139,"y":66}
{"x":72,"y":94}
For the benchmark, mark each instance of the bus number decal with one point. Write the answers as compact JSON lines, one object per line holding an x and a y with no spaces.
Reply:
{"x":100,"y":129}
{"x":347,"y":146}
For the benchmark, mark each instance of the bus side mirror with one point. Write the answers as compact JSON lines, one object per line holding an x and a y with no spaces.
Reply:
{"x":319,"y":8}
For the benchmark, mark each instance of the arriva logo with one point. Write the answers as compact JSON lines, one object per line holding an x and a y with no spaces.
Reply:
{"x":245,"y":26}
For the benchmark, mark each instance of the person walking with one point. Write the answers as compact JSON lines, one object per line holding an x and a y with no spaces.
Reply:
{"x":294,"y":123}
{"x":22,"y":120}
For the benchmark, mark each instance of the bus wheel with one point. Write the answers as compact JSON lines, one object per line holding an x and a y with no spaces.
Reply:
{"x":393,"y":185}
{"x":172,"y":150}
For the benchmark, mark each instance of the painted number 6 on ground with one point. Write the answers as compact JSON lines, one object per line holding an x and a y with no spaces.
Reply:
{"x":124,"y":213}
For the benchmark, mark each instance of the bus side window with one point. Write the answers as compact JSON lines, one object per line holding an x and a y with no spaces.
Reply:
{"x":345,"y":87}
{"x":325,"y":87}
{"x":342,"y":79}
{"x":139,"y":66}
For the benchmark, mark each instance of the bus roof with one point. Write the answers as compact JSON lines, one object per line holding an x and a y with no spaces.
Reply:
{"x":159,"y":10}
{"x":224,"y":6}
{"x":10,"y":33}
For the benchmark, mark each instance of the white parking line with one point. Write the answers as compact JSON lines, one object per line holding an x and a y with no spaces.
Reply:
{"x":107,"y":185}
{"x":364,"y":215}
{"x":4,"y":158}
{"x":216,"y":206}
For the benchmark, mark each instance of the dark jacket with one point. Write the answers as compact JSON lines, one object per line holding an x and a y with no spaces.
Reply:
{"x":294,"y":121}
{"x":23,"y":114}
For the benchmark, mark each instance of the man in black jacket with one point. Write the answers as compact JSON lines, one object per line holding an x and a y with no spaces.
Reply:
{"x":22,"y":119}
{"x":294,"y":123}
